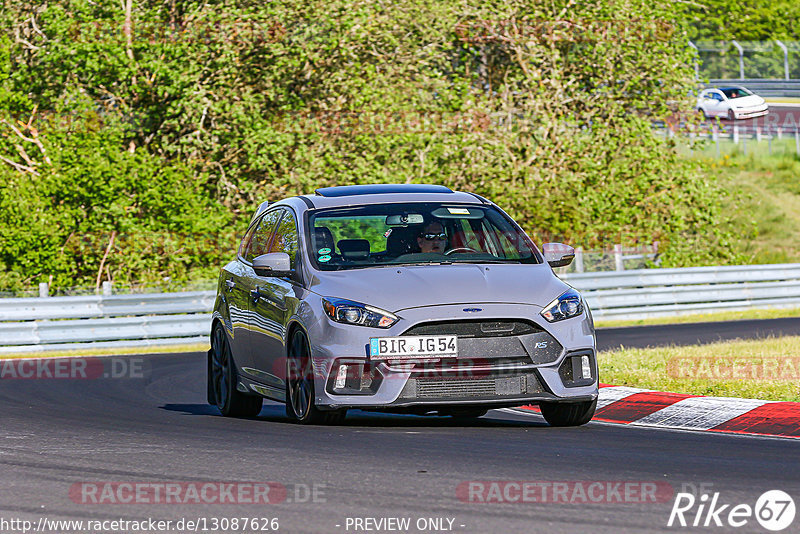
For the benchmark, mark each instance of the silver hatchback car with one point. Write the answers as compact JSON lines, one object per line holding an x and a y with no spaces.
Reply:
{"x":398,"y":298}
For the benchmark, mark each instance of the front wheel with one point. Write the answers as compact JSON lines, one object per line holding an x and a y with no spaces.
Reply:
{"x":222,"y":380}
{"x":568,"y":414}
{"x":300,"y":405}
{"x":731,"y":115}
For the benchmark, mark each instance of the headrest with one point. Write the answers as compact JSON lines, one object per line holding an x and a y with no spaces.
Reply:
{"x":402,"y":241}
{"x":354,"y":249}
{"x":323,"y":238}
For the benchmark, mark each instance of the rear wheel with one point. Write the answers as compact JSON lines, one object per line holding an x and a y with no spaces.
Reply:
{"x":223,"y":380}
{"x":568,"y":414}
{"x":300,"y":386}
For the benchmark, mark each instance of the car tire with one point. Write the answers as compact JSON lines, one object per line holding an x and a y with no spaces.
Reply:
{"x":300,"y":405}
{"x":568,"y":413}
{"x":223,"y":379}
{"x":731,"y":115}
{"x":705,"y":115}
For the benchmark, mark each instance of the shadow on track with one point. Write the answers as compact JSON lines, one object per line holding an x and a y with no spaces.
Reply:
{"x":274,"y":413}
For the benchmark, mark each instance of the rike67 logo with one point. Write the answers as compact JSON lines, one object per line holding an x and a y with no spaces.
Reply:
{"x":774,"y":510}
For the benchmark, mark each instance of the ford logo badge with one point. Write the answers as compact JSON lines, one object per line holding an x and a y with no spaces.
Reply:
{"x":473,"y":310}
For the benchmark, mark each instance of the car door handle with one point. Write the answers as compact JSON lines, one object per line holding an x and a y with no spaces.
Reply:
{"x":255,"y":294}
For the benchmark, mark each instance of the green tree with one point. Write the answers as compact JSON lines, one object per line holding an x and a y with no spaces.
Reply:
{"x":711,"y":20}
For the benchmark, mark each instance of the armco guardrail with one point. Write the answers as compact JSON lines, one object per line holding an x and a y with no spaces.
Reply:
{"x":32,"y":324}
{"x":36,"y":324}
{"x":663,"y":292}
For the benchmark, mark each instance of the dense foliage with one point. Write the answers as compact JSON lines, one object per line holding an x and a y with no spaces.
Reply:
{"x":139,"y":137}
{"x":711,"y":20}
{"x":713,"y":24}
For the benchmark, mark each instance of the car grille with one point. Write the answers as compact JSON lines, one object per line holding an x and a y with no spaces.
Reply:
{"x":467,"y":364}
{"x":452,"y":388}
{"x":490,"y":387}
{"x":495,"y":343}
{"x":474,"y":328}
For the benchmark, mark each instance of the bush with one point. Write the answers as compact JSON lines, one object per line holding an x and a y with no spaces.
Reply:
{"x":170,"y":134}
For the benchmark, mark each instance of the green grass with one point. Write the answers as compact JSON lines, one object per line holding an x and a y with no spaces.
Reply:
{"x":782,"y":99}
{"x":765,"y":190}
{"x":155,"y":349}
{"x":694,"y":369}
{"x":772,"y":313}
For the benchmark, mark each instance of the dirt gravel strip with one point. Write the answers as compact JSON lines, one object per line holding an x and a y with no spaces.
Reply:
{"x":644,"y":407}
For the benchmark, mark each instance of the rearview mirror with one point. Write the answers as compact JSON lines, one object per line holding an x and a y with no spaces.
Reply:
{"x":273,"y":264}
{"x":404,"y":219}
{"x":558,"y":254}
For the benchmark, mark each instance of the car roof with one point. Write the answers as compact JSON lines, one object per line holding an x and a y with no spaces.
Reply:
{"x":360,"y":195}
{"x":380,"y":189}
{"x":727,"y":88}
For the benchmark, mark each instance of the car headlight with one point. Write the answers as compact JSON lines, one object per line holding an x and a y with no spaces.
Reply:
{"x":569,"y":304}
{"x":349,"y":312}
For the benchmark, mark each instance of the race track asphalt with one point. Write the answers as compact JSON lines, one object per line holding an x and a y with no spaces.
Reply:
{"x":786,"y":117}
{"x":695,"y":333}
{"x":156,"y":427}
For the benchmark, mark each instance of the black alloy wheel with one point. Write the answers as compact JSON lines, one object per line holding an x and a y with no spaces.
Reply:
{"x":223,"y":380}
{"x":300,"y":405}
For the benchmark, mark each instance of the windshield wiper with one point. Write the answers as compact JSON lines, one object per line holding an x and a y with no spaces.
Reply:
{"x":488,"y":261}
{"x":432,"y":262}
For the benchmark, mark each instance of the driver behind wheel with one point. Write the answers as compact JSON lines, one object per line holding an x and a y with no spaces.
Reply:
{"x":432,"y":238}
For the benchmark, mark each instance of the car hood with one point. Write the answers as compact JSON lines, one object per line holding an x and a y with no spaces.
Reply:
{"x":748,"y":101}
{"x":400,"y":287}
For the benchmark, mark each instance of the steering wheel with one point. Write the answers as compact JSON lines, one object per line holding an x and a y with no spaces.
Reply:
{"x":459,"y":249}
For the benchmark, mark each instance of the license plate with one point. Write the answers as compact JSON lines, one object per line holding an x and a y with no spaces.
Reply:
{"x":393,"y":348}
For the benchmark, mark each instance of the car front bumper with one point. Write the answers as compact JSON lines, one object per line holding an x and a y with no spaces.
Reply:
{"x":750,"y":113}
{"x":495,"y":372}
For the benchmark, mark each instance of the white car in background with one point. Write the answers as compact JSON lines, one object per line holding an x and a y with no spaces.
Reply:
{"x":732,"y":103}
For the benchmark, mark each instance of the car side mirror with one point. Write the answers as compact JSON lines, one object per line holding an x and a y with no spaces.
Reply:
{"x":558,"y":254}
{"x":273,"y":264}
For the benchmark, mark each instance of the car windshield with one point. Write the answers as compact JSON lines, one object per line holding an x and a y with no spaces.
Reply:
{"x":415,"y":233}
{"x":736,"y":92}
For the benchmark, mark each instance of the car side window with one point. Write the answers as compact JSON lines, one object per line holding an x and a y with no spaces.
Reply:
{"x":246,"y":241}
{"x":262,"y":237}
{"x":286,"y":239}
